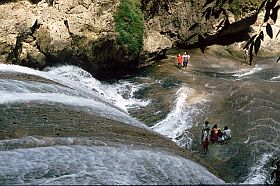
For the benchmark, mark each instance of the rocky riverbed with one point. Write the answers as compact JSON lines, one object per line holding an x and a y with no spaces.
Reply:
{"x":41,"y":120}
{"x":243,"y":97}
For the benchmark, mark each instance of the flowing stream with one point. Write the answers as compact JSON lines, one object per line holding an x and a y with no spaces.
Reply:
{"x":63,"y":127}
{"x":161,"y":98}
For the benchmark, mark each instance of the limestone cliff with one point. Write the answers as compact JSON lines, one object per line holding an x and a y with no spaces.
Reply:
{"x":61,"y":31}
{"x":38,"y":33}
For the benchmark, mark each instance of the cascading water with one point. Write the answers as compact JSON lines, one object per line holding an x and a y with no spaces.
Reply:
{"x":174,"y":103}
{"x":71,"y":161}
{"x":38,"y":101}
{"x":181,"y":118}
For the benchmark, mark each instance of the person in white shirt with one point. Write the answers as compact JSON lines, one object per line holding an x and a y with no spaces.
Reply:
{"x":227,"y":133}
{"x":186,"y":59}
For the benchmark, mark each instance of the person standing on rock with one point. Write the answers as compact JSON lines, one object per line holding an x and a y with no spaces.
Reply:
{"x":205,"y":140}
{"x":180,"y":60}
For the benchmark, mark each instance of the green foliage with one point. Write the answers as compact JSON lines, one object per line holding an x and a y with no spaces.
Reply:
{"x":236,"y":7}
{"x":130,"y":25}
{"x":271,"y":10}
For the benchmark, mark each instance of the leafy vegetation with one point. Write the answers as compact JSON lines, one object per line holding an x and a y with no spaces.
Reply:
{"x":271,"y":10}
{"x":220,"y":7}
{"x":130,"y":25}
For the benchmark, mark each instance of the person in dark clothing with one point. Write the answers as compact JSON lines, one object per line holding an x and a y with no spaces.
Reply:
{"x":205,"y":125}
{"x":220,"y":136}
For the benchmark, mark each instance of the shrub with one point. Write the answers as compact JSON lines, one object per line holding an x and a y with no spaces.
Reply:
{"x":130,"y":25}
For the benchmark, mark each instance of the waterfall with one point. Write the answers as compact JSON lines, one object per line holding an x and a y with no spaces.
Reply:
{"x":35,"y":159}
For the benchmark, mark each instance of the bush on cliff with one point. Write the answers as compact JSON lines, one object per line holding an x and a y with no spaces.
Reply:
{"x":130,"y":25}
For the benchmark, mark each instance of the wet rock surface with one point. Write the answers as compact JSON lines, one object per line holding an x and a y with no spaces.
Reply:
{"x":247,"y":104}
{"x":19,"y":120}
{"x":43,"y":33}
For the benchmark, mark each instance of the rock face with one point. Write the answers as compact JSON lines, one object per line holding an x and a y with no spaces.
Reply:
{"x":82,"y":32}
{"x":79,"y":32}
{"x":270,"y":46}
{"x":182,"y":21}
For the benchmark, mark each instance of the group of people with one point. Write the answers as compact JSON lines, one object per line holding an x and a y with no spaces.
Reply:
{"x":183,"y":60}
{"x":213,"y":135}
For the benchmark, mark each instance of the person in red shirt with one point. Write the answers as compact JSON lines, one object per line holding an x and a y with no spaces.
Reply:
{"x":180,"y":60}
{"x":213,"y":134}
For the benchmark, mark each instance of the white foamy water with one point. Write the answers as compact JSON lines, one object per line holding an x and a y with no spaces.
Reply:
{"x":119,"y":93}
{"x":81,"y":80}
{"x":72,"y":93}
{"x":180,"y":118}
{"x":89,"y":105}
{"x":80,"y":160}
{"x":275,"y":78}
{"x":258,"y":174}
{"x":244,"y":73}
{"x":80,"y":164}
{"x":74,"y":85}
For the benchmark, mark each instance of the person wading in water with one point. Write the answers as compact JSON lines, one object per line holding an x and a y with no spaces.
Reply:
{"x":180,"y":61}
{"x":205,"y":140}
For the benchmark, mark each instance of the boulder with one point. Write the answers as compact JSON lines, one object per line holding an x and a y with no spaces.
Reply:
{"x":82,"y":32}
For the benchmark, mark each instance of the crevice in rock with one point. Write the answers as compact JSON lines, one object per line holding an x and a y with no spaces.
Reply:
{"x":236,"y":32}
{"x":152,"y":8}
{"x":225,"y":40}
{"x":51,"y":2}
{"x":168,"y":33}
{"x":67,"y":26}
{"x":15,"y":54}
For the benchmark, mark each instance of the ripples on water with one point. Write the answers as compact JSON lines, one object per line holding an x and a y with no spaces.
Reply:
{"x":80,"y":160}
{"x":189,"y":107}
{"x":187,"y":110}
{"x":78,"y":163}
